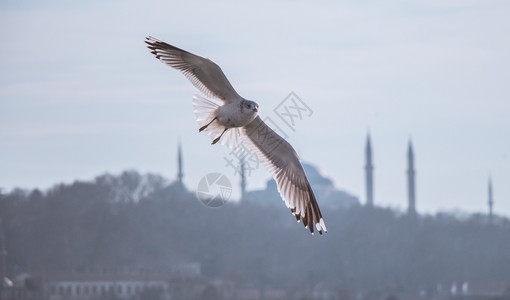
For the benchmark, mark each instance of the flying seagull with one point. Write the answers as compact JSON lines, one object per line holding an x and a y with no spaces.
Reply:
{"x":236,"y":121}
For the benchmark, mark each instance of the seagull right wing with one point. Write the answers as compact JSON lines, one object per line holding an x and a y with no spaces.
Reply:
{"x":283,"y":162}
{"x":203,"y":73}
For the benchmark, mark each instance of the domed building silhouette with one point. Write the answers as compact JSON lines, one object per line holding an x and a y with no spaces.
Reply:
{"x":323,"y":187}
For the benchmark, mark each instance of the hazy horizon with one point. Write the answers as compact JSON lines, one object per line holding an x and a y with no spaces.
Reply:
{"x":80,"y":94}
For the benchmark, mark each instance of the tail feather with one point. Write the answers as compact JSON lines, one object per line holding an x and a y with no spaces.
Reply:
{"x":205,"y":111}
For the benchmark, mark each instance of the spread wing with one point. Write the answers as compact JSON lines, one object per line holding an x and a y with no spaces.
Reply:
{"x":283,"y":162}
{"x":203,"y":73}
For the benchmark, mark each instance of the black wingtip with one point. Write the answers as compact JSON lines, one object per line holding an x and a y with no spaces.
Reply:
{"x":149,"y":40}
{"x":155,"y":44}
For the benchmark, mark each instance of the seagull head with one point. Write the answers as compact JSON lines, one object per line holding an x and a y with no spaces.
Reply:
{"x":249,"y":106}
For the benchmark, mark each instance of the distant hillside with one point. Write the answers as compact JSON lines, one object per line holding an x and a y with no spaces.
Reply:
{"x":135,"y":221}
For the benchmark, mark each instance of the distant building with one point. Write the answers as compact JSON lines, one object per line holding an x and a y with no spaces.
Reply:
{"x":23,"y":287}
{"x":243,"y":178}
{"x":369,"y":168}
{"x":180,"y":173}
{"x":104,"y":287}
{"x":475,"y":290}
{"x":182,"y":280}
{"x":178,"y":183}
{"x":3,"y":254}
{"x":411,"y":180}
{"x":326,"y":193}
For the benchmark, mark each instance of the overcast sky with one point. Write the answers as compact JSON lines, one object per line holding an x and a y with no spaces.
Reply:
{"x":80,"y":94}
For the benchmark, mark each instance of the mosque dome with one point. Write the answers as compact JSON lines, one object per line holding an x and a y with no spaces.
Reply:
{"x":316,"y":176}
{"x":322,"y":186}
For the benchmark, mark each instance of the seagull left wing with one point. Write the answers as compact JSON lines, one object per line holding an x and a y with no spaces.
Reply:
{"x":283,"y":162}
{"x":203,"y":73}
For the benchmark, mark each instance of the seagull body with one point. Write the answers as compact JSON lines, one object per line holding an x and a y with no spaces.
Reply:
{"x":236,"y":121}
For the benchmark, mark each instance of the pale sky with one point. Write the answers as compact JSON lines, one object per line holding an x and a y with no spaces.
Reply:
{"x":80,"y":94}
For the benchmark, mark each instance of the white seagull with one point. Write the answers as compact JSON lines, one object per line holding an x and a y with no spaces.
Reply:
{"x":236,"y":121}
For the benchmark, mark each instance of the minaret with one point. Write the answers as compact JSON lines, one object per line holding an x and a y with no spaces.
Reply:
{"x":411,"y":180}
{"x":180,"y":174}
{"x":369,"y":168}
{"x":243,"y":179}
{"x":491,"y":202}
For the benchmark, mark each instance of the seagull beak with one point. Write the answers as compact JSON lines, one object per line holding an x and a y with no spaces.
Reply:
{"x":255,"y":110}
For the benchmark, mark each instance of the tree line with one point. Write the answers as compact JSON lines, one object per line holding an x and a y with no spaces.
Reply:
{"x":140,"y":222}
